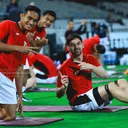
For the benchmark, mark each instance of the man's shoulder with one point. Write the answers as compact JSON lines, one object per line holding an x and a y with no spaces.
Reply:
{"x":8,"y":26}
{"x":43,"y":32}
{"x":87,"y":56}
{"x":66,"y":63}
{"x":9,"y":22}
{"x":40,"y":30}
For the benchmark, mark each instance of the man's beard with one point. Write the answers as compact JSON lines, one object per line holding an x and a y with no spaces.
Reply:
{"x":76,"y":53}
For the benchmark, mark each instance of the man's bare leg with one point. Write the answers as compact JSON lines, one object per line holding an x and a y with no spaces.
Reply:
{"x":9,"y":111}
{"x":118,"y":91}
{"x":3,"y":112}
{"x":31,"y":82}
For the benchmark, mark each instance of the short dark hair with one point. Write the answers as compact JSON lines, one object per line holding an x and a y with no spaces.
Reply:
{"x":101,"y":49}
{"x":71,"y":37}
{"x":70,"y":20}
{"x":33,"y":8}
{"x":52,"y":13}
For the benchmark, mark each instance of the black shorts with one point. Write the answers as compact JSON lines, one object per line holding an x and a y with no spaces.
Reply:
{"x":85,"y":99}
{"x":89,"y":101}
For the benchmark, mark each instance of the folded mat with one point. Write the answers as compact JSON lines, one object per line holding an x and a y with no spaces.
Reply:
{"x":29,"y":121}
{"x":99,"y":81}
{"x":40,"y":89}
{"x":68,"y":108}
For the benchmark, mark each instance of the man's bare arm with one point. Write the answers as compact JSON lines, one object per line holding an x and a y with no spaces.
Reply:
{"x":11,"y":48}
{"x":62,"y":90}
{"x":19,"y":81}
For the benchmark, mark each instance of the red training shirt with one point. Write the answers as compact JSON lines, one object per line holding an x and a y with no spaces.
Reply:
{"x":13,"y":35}
{"x":38,"y":32}
{"x":79,"y":81}
{"x":89,"y":44}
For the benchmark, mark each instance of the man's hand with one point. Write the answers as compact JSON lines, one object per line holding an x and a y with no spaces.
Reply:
{"x":30,"y":36}
{"x":83,"y":22}
{"x":26,"y":49}
{"x":83,"y":65}
{"x":43,"y":41}
{"x":39,"y":42}
{"x":64,"y":80}
{"x":20,"y":107}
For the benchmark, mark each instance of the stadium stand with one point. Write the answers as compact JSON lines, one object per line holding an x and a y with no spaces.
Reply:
{"x":77,"y":11}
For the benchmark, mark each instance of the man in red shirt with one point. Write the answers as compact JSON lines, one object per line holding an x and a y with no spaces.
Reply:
{"x":92,"y":46}
{"x":37,"y":37}
{"x":75,"y":80}
{"x":13,"y":41}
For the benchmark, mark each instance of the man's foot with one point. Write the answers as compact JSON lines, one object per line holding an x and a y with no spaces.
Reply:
{"x":32,"y":89}
{"x":36,"y":88}
{"x":26,"y":99}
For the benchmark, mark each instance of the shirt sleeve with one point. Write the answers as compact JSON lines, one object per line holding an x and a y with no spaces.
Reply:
{"x":96,"y":39}
{"x":89,"y":44}
{"x":4,"y":29}
{"x":92,"y":41}
{"x":92,"y":60}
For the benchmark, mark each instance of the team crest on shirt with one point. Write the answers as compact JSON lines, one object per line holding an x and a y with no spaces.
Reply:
{"x":17,"y":34}
{"x":25,"y":43}
{"x":37,"y":38}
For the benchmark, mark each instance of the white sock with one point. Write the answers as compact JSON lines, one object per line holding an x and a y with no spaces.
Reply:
{"x":23,"y":89}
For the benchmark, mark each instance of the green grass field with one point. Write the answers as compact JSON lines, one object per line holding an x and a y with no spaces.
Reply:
{"x":74,"y":119}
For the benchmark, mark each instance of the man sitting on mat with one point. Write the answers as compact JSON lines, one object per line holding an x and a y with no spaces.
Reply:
{"x":75,"y":80}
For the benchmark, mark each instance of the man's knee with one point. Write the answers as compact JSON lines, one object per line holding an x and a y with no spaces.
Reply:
{"x":122,"y":83}
{"x":3,"y":113}
{"x":9,"y":118}
{"x":11,"y":112}
{"x":2,"y":116}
